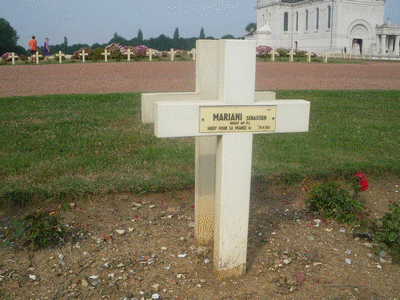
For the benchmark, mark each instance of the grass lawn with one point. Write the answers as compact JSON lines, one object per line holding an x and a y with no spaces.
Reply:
{"x":60,"y":145}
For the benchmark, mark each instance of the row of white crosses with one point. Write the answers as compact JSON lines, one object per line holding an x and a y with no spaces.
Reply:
{"x":291,"y":54}
{"x":149,"y":53}
{"x":225,"y":89}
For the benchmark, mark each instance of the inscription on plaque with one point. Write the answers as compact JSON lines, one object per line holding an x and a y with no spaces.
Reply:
{"x":219,"y":119}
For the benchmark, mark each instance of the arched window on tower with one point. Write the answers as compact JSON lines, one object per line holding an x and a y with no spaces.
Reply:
{"x":286,"y":21}
{"x":306,"y":20}
{"x":297,"y":21}
{"x":329,"y":16}
{"x":317,"y":24}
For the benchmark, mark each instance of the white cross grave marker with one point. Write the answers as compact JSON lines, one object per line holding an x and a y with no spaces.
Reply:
{"x":106,"y":54}
{"x":272,"y":52}
{"x":60,"y":55}
{"x":13,"y":57}
{"x":234,"y":116}
{"x":128,"y":52}
{"x":193,"y":53}
{"x":206,"y":146}
{"x":149,"y":53}
{"x":37,"y":55}
{"x":308,"y":56}
{"x":291,"y":53}
{"x":83,"y":54}
{"x":325,"y":56}
{"x":172,"y":54}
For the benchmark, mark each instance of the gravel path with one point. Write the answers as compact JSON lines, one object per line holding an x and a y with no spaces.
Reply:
{"x":23,"y":80}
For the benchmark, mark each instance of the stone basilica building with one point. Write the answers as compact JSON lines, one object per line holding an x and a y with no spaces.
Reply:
{"x":332,"y":26}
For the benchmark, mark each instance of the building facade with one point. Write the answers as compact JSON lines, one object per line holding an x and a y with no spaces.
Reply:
{"x":332,"y":26}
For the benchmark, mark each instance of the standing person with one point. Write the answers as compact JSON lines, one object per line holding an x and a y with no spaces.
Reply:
{"x":33,"y":47}
{"x":46,"y":50}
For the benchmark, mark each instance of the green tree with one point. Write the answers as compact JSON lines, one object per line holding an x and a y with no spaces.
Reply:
{"x":228,"y":36}
{"x":202,"y":35}
{"x":176,"y":34}
{"x":8,"y":37}
{"x":139,"y":38}
{"x":250,"y":26}
{"x":117,"y":39}
{"x":64,"y":46}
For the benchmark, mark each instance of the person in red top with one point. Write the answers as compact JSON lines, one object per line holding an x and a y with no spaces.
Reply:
{"x":33,"y":46}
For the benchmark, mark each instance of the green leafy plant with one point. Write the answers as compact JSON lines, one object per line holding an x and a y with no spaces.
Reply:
{"x":335,"y":201}
{"x":23,"y":57}
{"x":17,"y":197}
{"x":39,"y":228}
{"x":96,"y":54}
{"x":387,"y":235}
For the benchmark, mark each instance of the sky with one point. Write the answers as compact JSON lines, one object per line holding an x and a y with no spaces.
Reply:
{"x":96,"y":21}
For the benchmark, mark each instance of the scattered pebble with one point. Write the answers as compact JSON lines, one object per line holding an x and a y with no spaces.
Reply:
{"x":33,"y":277}
{"x":206,"y":261}
{"x":120,"y":231}
{"x":368,"y":245}
{"x":182,"y":255}
{"x":152,"y":206}
{"x":348,"y":261}
{"x":191,"y":224}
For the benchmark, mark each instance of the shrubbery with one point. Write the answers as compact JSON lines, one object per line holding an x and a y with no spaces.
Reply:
{"x":88,"y":50}
{"x":263,"y":51}
{"x":97,"y":54}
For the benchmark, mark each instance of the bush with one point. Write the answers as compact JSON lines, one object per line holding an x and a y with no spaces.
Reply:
{"x":263,"y":51}
{"x":97,"y":54}
{"x":23,"y":58}
{"x":387,"y":236}
{"x":116,"y":51}
{"x":283,"y":52}
{"x":334,"y":201}
{"x":141,"y":51}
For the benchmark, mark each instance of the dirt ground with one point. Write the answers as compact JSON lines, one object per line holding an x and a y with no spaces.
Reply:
{"x":289,"y":256}
{"x":154,"y":254}
{"x":78,"y":78}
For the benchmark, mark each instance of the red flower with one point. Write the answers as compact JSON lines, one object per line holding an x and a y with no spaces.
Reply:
{"x":364,"y":185}
{"x":360,"y":175}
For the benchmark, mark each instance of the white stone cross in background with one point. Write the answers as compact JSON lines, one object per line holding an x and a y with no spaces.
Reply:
{"x":83,"y":54}
{"x":60,"y":55}
{"x":37,"y":55}
{"x":13,"y":57}
{"x":128,"y":52}
{"x":172,"y":54}
{"x":230,"y":113}
{"x":106,"y":54}
{"x":308,"y":56}
{"x":272,"y":52}
{"x":325,"y":56}
{"x":149,"y":53}
{"x":291,"y":53}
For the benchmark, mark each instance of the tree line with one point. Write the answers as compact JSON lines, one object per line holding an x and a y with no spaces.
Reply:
{"x":9,"y":38}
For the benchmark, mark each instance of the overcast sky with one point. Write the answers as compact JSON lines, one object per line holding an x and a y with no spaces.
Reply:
{"x":95,"y":21}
